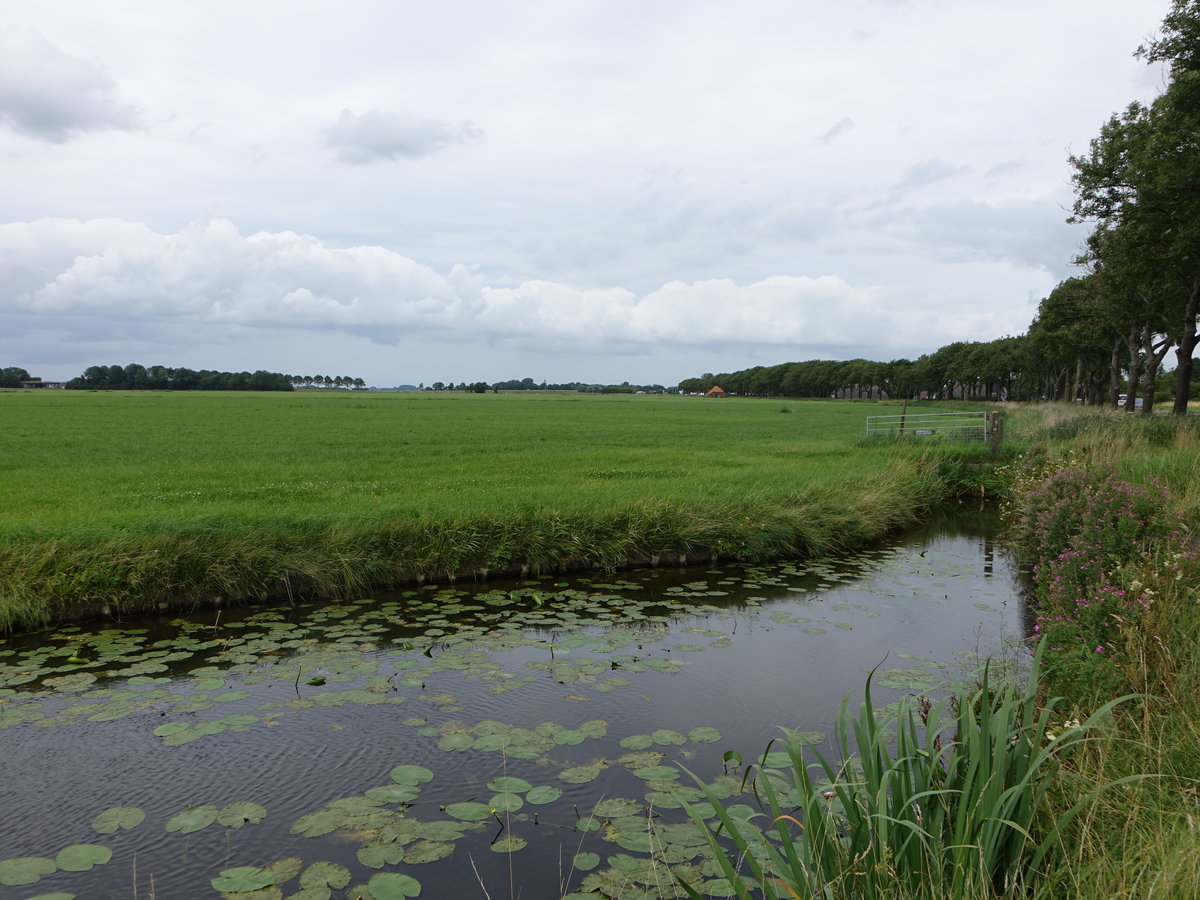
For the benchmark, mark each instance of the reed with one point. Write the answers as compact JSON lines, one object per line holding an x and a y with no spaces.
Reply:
{"x":939,"y":800}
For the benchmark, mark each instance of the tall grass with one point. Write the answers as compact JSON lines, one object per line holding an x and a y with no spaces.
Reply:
{"x":941,"y":800}
{"x":1138,"y":588}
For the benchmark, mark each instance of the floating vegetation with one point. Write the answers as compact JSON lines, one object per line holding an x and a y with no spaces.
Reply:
{"x":458,"y":775}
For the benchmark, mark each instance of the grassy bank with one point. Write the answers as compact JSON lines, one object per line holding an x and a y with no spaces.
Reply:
{"x":1081,"y":781}
{"x":115,"y":502}
{"x":1110,"y":516}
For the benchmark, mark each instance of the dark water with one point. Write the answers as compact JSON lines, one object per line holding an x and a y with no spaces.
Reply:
{"x":575,"y":685}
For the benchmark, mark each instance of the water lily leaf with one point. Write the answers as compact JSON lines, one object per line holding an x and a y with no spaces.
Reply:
{"x":506,"y":802}
{"x":508,"y":785}
{"x":170,"y":728}
{"x":193,"y":819}
{"x":427,"y":851}
{"x":410,"y":774}
{"x":286,"y":869}
{"x":704,"y":735}
{"x":456,"y":742}
{"x":469,"y":811}
{"x":25,"y":869}
{"x":579,"y":774}
{"x":242,"y":879}
{"x":377,"y":854}
{"x":657,"y":773}
{"x":82,"y":857}
{"x":615,"y":807}
{"x":585,"y":862}
{"x":57,"y":895}
{"x":235,"y":815}
{"x":637,"y":742}
{"x":322,"y":821}
{"x":543,"y":794}
{"x":325,"y":874}
{"x":119,"y":818}
{"x":666,"y":737}
{"x":393,"y":886}
{"x":393,"y":793}
{"x":509,"y":844}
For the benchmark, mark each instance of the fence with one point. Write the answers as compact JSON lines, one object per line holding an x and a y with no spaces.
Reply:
{"x":960,"y":426}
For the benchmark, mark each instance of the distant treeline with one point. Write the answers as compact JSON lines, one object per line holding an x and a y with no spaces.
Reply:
{"x":135,"y":377}
{"x":12,"y":376}
{"x":971,"y":370}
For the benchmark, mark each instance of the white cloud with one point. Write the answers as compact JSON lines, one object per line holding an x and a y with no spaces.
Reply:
{"x":51,"y":95}
{"x":379,"y":136}
{"x":210,"y":274}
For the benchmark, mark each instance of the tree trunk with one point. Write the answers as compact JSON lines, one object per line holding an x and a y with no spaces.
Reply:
{"x":1154,"y":358}
{"x":1183,"y":354}
{"x":1114,"y":374}
{"x":1135,"y":372}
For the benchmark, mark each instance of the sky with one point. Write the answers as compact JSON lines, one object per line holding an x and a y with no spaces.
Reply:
{"x":566,"y":190}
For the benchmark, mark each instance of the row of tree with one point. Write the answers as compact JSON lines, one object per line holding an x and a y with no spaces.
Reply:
{"x":342,"y":382}
{"x":1106,"y":331}
{"x":136,"y":377}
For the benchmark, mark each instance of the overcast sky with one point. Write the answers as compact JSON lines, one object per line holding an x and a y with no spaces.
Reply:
{"x":556,"y":189}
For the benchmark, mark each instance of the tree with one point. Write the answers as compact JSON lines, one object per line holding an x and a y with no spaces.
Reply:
{"x":1138,"y":183}
{"x":12,"y":376}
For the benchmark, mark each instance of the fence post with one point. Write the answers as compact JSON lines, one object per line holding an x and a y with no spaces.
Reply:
{"x":995,"y":436}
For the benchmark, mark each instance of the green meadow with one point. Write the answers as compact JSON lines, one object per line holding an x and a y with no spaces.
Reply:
{"x":116,"y":501}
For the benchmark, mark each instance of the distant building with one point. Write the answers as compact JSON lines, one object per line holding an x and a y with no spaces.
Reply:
{"x":715,"y":391}
{"x":38,"y":383}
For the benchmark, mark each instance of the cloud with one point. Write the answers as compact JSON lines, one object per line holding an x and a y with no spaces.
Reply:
{"x":113,"y":273}
{"x":48,"y":94}
{"x":927,"y":172}
{"x":841,"y":126}
{"x":378,"y":136}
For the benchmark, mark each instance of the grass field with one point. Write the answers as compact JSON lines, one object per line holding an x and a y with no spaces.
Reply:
{"x":123,"y":500}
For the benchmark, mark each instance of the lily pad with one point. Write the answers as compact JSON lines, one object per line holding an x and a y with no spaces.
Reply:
{"x":585,"y":862}
{"x":469,"y":811}
{"x":667,"y":737}
{"x":657,"y":773}
{"x":243,"y":879}
{"x":82,"y":857}
{"x":637,"y":742}
{"x":25,"y":869}
{"x":410,"y":774}
{"x":393,"y":886}
{"x":119,"y":818}
{"x":427,"y":851}
{"x":235,"y":815}
{"x":509,"y":844}
{"x":325,"y":874}
{"x":579,"y":774}
{"x":509,"y":785}
{"x":543,"y":794}
{"x":704,"y":735}
{"x":194,"y":818}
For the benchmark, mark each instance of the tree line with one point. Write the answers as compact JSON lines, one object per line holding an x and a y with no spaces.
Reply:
{"x":1107,"y":331}
{"x":136,"y":377}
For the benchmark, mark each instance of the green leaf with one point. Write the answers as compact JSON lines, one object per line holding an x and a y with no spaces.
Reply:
{"x":192,"y":819}
{"x":585,"y":862}
{"x":393,"y":886}
{"x":704,"y":735}
{"x":325,"y":874}
{"x":242,"y":879}
{"x":235,"y":815}
{"x":82,"y":857}
{"x":579,"y":774}
{"x":427,"y":851}
{"x":119,"y":818}
{"x":410,"y":774}
{"x":469,"y":811}
{"x":509,"y":844}
{"x":25,"y":869}
{"x":543,"y":794}
{"x":509,"y":785}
